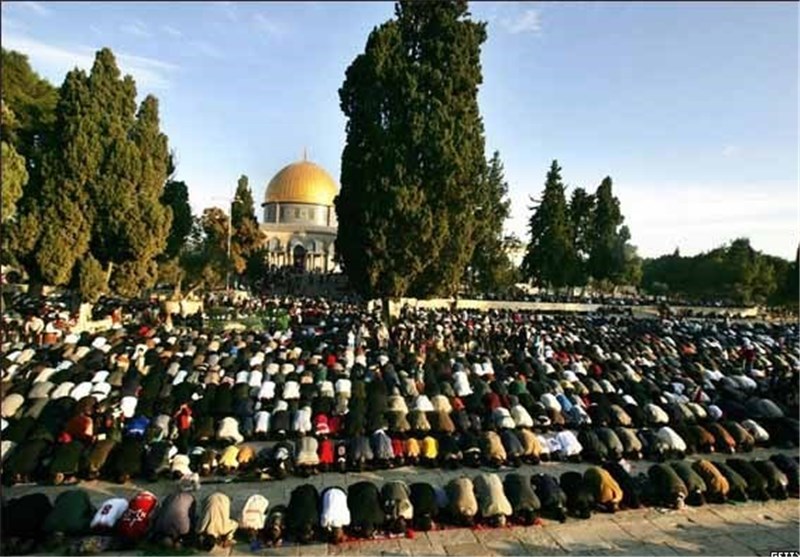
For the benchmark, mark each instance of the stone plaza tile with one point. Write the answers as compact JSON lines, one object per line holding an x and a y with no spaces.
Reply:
{"x":421,"y":546}
{"x":758,"y":541}
{"x":490,"y":535}
{"x":789,"y":535}
{"x":609,"y":531}
{"x":419,"y":543}
{"x":633,"y":546}
{"x":286,"y":550}
{"x":539,"y":542}
{"x":313,"y":549}
{"x":645,"y":530}
{"x":453,"y":536}
{"x":725,"y":546}
{"x":579,"y":544}
{"x":470,"y":549}
{"x":220,"y":551}
{"x":378,"y":547}
{"x":349,"y":548}
{"x":507,"y":548}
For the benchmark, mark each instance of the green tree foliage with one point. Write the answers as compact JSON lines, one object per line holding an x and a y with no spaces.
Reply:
{"x":581,"y":209}
{"x":62,"y":210}
{"x":550,"y":257}
{"x":176,"y":197}
{"x":257,"y":266}
{"x":491,"y":269}
{"x":205,"y":259}
{"x":103,"y":172}
{"x":243,"y":207}
{"x":33,"y":101}
{"x":246,"y":236}
{"x":14,"y":174}
{"x":604,"y":263}
{"x":170,"y":272}
{"x":735,"y":273}
{"x":413,"y":163}
{"x":791,"y":291}
{"x":91,"y":279}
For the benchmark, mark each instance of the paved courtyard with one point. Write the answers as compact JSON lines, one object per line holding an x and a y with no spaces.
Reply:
{"x":752,"y":528}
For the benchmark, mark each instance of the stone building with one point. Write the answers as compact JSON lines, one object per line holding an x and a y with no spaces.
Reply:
{"x":299,"y":224}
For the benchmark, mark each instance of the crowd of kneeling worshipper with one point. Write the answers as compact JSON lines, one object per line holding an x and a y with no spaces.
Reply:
{"x":364,"y":510}
{"x":339,"y":390}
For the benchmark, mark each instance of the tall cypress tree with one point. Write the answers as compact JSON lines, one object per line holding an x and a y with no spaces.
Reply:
{"x":606,"y":219}
{"x":491,"y":268}
{"x":550,"y":257}
{"x":14,"y":173}
{"x":581,"y":207}
{"x":414,"y":156}
{"x":57,"y":228}
{"x":246,"y":235}
{"x":243,"y":205}
{"x":176,"y":197}
{"x":103,"y":175}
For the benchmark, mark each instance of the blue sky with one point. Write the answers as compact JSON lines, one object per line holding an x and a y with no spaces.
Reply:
{"x":692,"y":108}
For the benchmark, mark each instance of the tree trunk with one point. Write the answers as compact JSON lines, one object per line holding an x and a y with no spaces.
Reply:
{"x":35,"y":288}
{"x":176,"y":292}
{"x":108,"y":273}
{"x":385,"y":315}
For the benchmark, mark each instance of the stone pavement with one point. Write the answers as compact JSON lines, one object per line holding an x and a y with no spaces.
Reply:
{"x":752,"y":528}
{"x":731,"y":530}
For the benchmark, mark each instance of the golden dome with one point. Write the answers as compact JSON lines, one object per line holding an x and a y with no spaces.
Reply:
{"x":302,"y":182}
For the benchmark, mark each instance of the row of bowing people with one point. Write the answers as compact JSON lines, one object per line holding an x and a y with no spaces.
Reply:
{"x":366,"y":510}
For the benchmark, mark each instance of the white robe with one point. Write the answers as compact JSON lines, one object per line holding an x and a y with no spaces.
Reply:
{"x":291,"y":390}
{"x":262,"y":421}
{"x":754,"y":428}
{"x":671,"y":440}
{"x":461,"y":384}
{"x":254,"y":512}
{"x":267,"y":390}
{"x":521,"y":416}
{"x":570,"y":446}
{"x":109,"y":513}
{"x":335,"y":513}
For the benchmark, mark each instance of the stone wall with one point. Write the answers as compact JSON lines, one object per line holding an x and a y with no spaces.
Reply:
{"x":485,"y":305}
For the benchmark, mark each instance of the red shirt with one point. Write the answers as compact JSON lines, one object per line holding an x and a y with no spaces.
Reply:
{"x":326,"y":451}
{"x":398,"y":447}
{"x":135,"y":521}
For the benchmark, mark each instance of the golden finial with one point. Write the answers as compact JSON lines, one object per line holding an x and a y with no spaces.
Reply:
{"x":305,"y":154}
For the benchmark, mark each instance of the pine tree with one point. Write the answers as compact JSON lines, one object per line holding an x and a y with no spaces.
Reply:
{"x":550,"y":257}
{"x":414,"y":155}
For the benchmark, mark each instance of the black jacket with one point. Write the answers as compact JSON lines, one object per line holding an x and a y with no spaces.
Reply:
{"x":303,"y":510}
{"x":366,"y":511}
